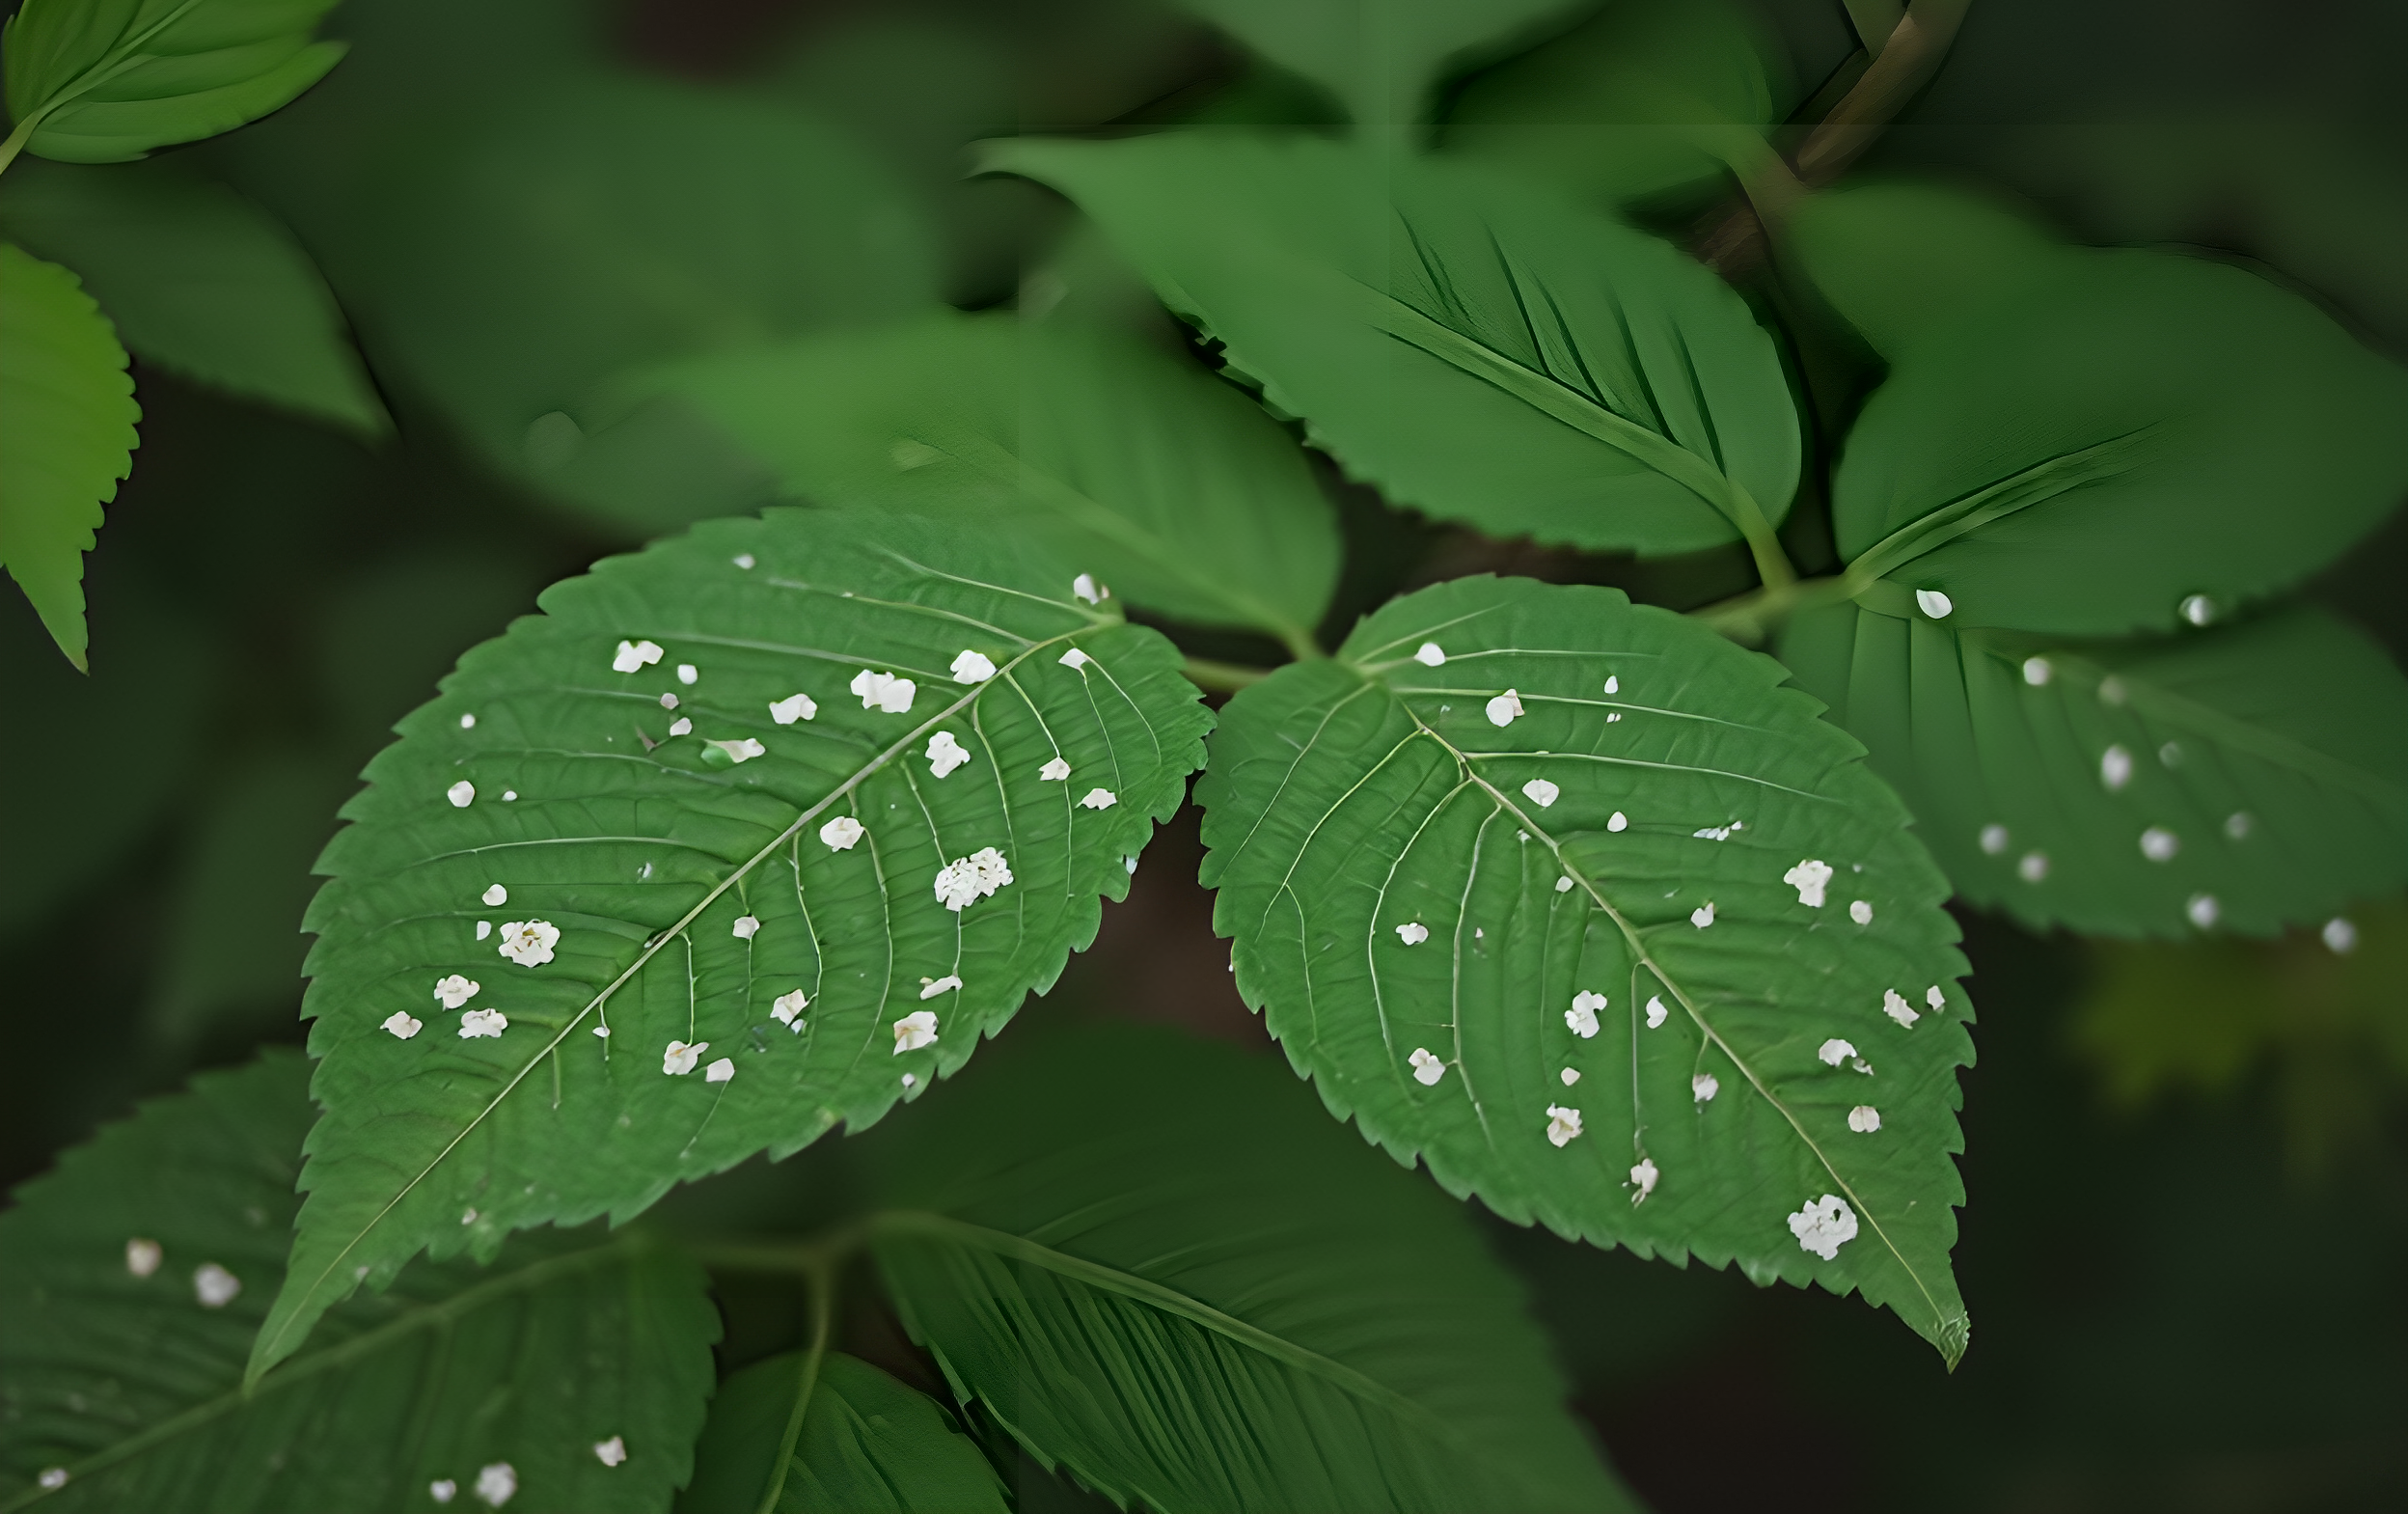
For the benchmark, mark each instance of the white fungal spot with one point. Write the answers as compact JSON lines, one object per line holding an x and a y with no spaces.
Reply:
{"x":143,"y":1256}
{"x":1825,"y":1226}
{"x":1562,"y":1124}
{"x":1613,"y":685}
{"x":1581,"y":1017}
{"x":969,"y":667}
{"x":1074,"y":658}
{"x":1643,"y":1177}
{"x":1427,"y":1067}
{"x":1894,"y":1005}
{"x":687,"y":672}
{"x":214,"y":1286}
{"x":681,"y":1059}
{"x":495,"y":1484}
{"x":883,"y":691}
{"x":2239,"y":823}
{"x":402,"y":1024}
{"x":484,"y":928}
{"x":1503,"y":708}
{"x":1099,"y":799}
{"x":743,"y":748}
{"x":968,"y":879}
{"x":2159,"y":845}
{"x":2198,"y":609}
{"x":1084,"y":586}
{"x":748,"y":562}
{"x":1569,"y":1075}
{"x":496,"y":895}
{"x":2036,"y":672}
{"x":945,"y":753}
{"x":2204,"y":909}
{"x":1563,"y":885}
{"x":720,"y":1071}
{"x":1861,"y":912}
{"x":669,"y":701}
{"x":1431,"y":654}
{"x":442,"y":1489}
{"x":529,"y":943}
{"x":1655,"y":1011}
{"x":841,"y":834}
{"x":788,"y":1008}
{"x":746,"y":927}
{"x":1994,"y":839}
{"x":52,"y":1479}
{"x":1412,"y":932}
{"x":1704,"y":1087}
{"x":485,"y":1024}
{"x":914,"y":1030}
{"x":632,"y":655}
{"x":794,"y":707}
{"x":1539,"y":791}
{"x":1703,"y":916}
{"x":1809,"y":878}
{"x":455,"y":991}
{"x":931,"y":988}
{"x":1834,"y":1051}
{"x":2115,"y":768}
{"x":468,"y":723}
{"x":681,"y":727}
{"x":1054,"y":772}
{"x":2341,"y":936}
{"x":2033,"y":867}
{"x":462,"y":794}
{"x":1619,"y":822}
{"x":1863,"y":1120}
{"x":613,"y":1451}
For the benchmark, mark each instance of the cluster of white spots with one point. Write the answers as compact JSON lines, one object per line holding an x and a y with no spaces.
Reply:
{"x":1562,"y":1124}
{"x":2198,"y":609}
{"x":1655,"y":1011}
{"x":966,"y":880}
{"x":681,"y":1059}
{"x":1703,"y":916}
{"x":1098,"y":799}
{"x":1539,"y":791}
{"x":1505,"y":708}
{"x":720,"y":1071}
{"x":462,"y":794}
{"x":455,"y":991}
{"x":1860,"y":911}
{"x":969,"y":667}
{"x":2237,"y":824}
{"x":1613,"y":685}
{"x":746,"y":927}
{"x":1085,"y":587}
{"x":1933,"y":604}
{"x":1834,"y":1051}
{"x":1809,"y":878}
{"x":669,"y":701}
{"x":793,"y":707}
{"x":1704,"y":1087}
{"x":633,"y":656}
{"x":1427,"y":1067}
{"x":483,"y":1024}
{"x":1429,"y":654}
{"x":688,"y":673}
{"x":945,"y":753}
{"x":1995,"y":840}
{"x":2159,"y":845}
{"x":744,"y":559}
{"x":468,"y":723}
{"x":143,"y":1256}
{"x":214,"y":1286}
{"x":1563,"y":885}
{"x":1074,"y":658}
{"x":1825,"y":1226}
{"x":841,"y":833}
{"x":497,"y":1483}
{"x":936,"y":987}
{"x":1715,"y":833}
{"x":496,"y":895}
{"x":1412,"y":932}
{"x":2038,"y":671}
{"x":484,"y":928}
{"x":743,"y":748}
{"x":883,"y":691}
{"x":2204,"y":909}
{"x":1612,"y":715}
{"x":529,"y":943}
{"x":1894,"y":1005}
{"x":52,"y":1479}
{"x":613,"y":1451}
{"x":2115,"y":768}
{"x":681,"y":727}
{"x":1863,"y":1120}
{"x":402,"y":1024}
{"x":788,"y":1010}
{"x":1618,"y":822}
{"x":914,"y":1030}
{"x":1570,"y":1075}
{"x":2033,"y":867}
{"x":1581,"y":1017}
{"x":2341,"y":936}
{"x":1643,"y":1178}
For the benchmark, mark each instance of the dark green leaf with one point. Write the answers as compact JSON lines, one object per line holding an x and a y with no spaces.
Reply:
{"x":199,"y":281}
{"x":1159,"y":1266}
{"x":1466,"y":341}
{"x":1185,"y":498}
{"x":2240,"y":778}
{"x":1664,"y":897}
{"x":66,"y":435}
{"x":1900,"y":260}
{"x":1379,"y":57}
{"x":119,"y":1370}
{"x":693,"y":887}
{"x":848,"y":1436}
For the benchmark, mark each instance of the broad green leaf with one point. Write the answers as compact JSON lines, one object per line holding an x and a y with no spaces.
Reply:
{"x":667,"y":769}
{"x":199,"y":281}
{"x":1645,"y":98}
{"x":1185,"y":497}
{"x":1160,"y":1267}
{"x":132,"y":1278}
{"x":1468,"y":342}
{"x":67,"y":437}
{"x":2136,"y":441}
{"x":1379,"y":57}
{"x":1900,"y":260}
{"x":793,"y":1434}
{"x":1664,"y":897}
{"x":103,"y":81}
{"x":2239,"y":779}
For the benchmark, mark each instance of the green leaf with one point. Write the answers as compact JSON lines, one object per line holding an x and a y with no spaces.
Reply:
{"x":1466,"y":341}
{"x":793,"y":1434}
{"x":1418,"y":893}
{"x":1379,"y":57}
{"x":104,"y":81}
{"x":1184,"y":497}
{"x":2136,"y":441}
{"x":199,"y":281}
{"x":2238,"y":779}
{"x":1900,"y":260}
{"x":66,"y":435}
{"x":1159,"y":1266}
{"x":694,"y":887}
{"x":131,"y":1380}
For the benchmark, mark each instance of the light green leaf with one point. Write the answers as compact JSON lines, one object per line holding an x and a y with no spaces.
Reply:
{"x":103,"y":81}
{"x":1664,"y":871}
{"x":1158,"y":1265}
{"x":1900,"y":260}
{"x":793,"y":1434}
{"x":695,"y":882}
{"x":1184,"y":497}
{"x":200,"y":281}
{"x":1466,"y":341}
{"x":119,"y":1371}
{"x":1379,"y":57}
{"x":2239,"y":779}
{"x":2138,"y":440}
{"x":67,"y":437}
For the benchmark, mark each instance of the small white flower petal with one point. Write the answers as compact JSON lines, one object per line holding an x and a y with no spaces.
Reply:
{"x":2033,"y":867}
{"x":1582,"y":1018}
{"x":632,"y":655}
{"x":681,"y":1059}
{"x":1643,"y":1178}
{"x":793,"y":707}
{"x":788,"y":1008}
{"x":1861,"y":912}
{"x":681,"y":727}
{"x":1704,"y":1087}
{"x":2341,"y":936}
{"x":1825,"y":1226}
{"x":915,"y":1030}
{"x":1054,"y":772}
{"x":746,"y":927}
{"x":1619,"y":822}
{"x":496,"y":895}
{"x":1412,"y":932}
{"x":687,"y":672}
{"x":2204,"y":909}
{"x":1834,"y":1051}
{"x":483,"y":1024}
{"x":455,"y":991}
{"x":214,"y":1286}
{"x":743,"y":748}
{"x":462,"y":794}
{"x":1933,"y":604}
{"x":1703,"y":916}
{"x":669,"y":701}
{"x":1505,"y":708}
{"x":969,"y":667}
{"x":52,"y":1479}
{"x":1863,"y":1120}
{"x":1994,"y":839}
{"x":1539,"y":791}
{"x":468,"y":723}
{"x":2159,"y":845}
{"x":529,"y":943}
{"x":1894,"y":1005}
{"x":1428,"y":1068}
{"x":1563,"y":1125}
{"x":496,"y":1483}
{"x":484,"y":928}
{"x":1809,"y":878}
{"x":1074,"y":658}
{"x":841,"y":833}
{"x":1570,"y":1075}
{"x":2115,"y":768}
{"x":2038,"y":671}
{"x":1085,"y":587}
{"x":143,"y":1256}
{"x":1563,"y":885}
{"x":945,"y":753}
{"x":1099,"y":799}
{"x":746,"y":561}
{"x":1431,"y":654}
{"x":402,"y":1024}
{"x":1655,"y":1011}
{"x":934,"y":988}
{"x":613,"y":1451}
{"x":720,"y":1071}
{"x":442,"y":1489}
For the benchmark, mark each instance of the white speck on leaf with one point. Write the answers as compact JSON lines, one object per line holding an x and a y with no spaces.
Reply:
{"x":1619,"y":822}
{"x":1085,"y":587}
{"x":1703,"y":916}
{"x":1863,"y":1120}
{"x":2198,"y":609}
{"x":1995,"y":840}
{"x":1581,"y":1017}
{"x":1613,"y":684}
{"x":688,"y":673}
{"x":52,"y":1479}
{"x":945,"y":753}
{"x":910,"y":1080}
{"x":1714,"y":833}
{"x":681,"y":1059}
{"x":1834,"y":1051}
{"x":2341,"y":936}
{"x":1054,"y":772}
{"x":602,"y":1030}
{"x":1431,"y":654}
{"x":883,"y":691}
{"x":1809,"y":878}
{"x":720,"y":1071}
{"x":1563,"y":885}
{"x":969,"y":667}
{"x":794,"y":707}
{"x":1704,"y":1087}
{"x":748,"y":562}
{"x":484,"y":1025}
{"x":214,"y":1286}
{"x":632,"y":655}
{"x":1412,"y":932}
{"x":484,"y":928}
{"x":2036,"y":672}
{"x":1825,"y":1226}
{"x":841,"y":833}
{"x":1074,"y":658}
{"x":1932,"y":996}
{"x":1861,"y":912}
{"x":681,"y":727}
{"x":1099,"y":799}
{"x":2159,"y":845}
{"x":529,"y":943}
{"x":2203,"y":909}
{"x":1503,"y":708}
{"x":455,"y":991}
{"x":2115,"y":768}
{"x":1428,"y":1069}
{"x":1643,"y":1177}
{"x":613,"y":1451}
{"x":746,"y":927}
{"x":462,"y":794}
{"x":932,"y":988}
{"x":402,"y":1024}
{"x":788,"y":1008}
{"x":143,"y":1256}
{"x":1562,"y":1124}
{"x":495,"y":1484}
{"x":914,"y":1030}
{"x":1894,"y":1005}
{"x":2237,"y":825}
{"x":743,"y":748}
{"x":442,"y":1489}
{"x":1539,"y":791}
{"x":496,"y":895}
{"x":1570,"y":1075}
{"x":967,"y":879}
{"x":1933,"y":604}
{"x":669,"y":701}
{"x":2034,"y":867}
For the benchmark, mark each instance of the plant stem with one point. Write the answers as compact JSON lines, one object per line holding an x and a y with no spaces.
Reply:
{"x":822,"y":1272}
{"x":1750,"y":617}
{"x":16,"y":140}
{"x":1224,"y":677}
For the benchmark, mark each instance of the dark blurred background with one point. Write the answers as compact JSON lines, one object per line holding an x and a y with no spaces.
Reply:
{"x":2188,"y":1216}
